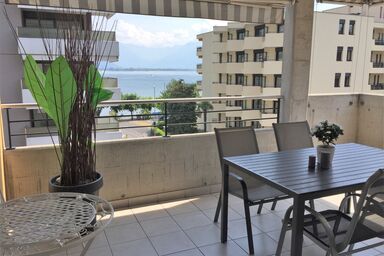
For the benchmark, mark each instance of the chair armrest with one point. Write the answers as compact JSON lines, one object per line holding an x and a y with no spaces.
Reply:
{"x":376,"y":206}
{"x":242,"y":183}
{"x":325,"y":224}
{"x":344,"y":201}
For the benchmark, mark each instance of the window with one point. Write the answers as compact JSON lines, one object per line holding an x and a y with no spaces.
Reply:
{"x":239,"y":79}
{"x":229,"y":58}
{"x":347,"y":79}
{"x":349,"y":53}
{"x":220,"y":57}
{"x":258,"y":80}
{"x":277,"y":81}
{"x":260,"y":31}
{"x":255,"y":124}
{"x":238,"y":122}
{"x":279,"y":53}
{"x":220,"y":78}
{"x":275,"y":106}
{"x":280,"y":28}
{"x":240,"y":34}
{"x":341,"y":27}
{"x":240,"y":57}
{"x":337,"y":80}
{"x":52,"y":20}
{"x":351,"y":29}
{"x":238,"y":103}
{"x":229,"y":36}
{"x":257,"y":104}
{"x":258,"y":55}
{"x":339,"y":54}
{"x":221,"y":37}
{"x":229,"y":79}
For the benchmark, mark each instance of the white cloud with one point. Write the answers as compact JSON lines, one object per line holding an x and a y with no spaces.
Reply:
{"x":164,"y":37}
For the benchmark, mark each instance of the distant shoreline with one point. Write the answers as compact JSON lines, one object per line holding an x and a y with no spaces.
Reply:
{"x":150,"y":69}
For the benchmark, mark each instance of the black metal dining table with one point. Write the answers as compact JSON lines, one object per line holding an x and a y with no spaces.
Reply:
{"x":288,"y":171}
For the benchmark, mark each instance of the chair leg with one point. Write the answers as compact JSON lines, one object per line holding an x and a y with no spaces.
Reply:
{"x":274,"y":205}
{"x":260,"y":207}
{"x":249,"y":227}
{"x":312,"y":204}
{"x":86,"y":247}
{"x":284,"y":229}
{"x":217,"y":210}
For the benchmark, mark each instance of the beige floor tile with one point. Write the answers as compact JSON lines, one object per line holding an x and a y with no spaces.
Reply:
{"x":267,"y":222}
{"x":193,"y":252}
{"x":171,"y":243}
{"x":191,"y":220}
{"x":288,"y":237}
{"x":122,"y":217}
{"x":232,"y":215}
{"x":124,"y":233}
{"x":228,"y":249}
{"x":102,"y":251}
{"x":180,"y":207}
{"x":204,"y":235}
{"x":149,"y":212}
{"x":160,"y":226}
{"x":238,"y":229}
{"x":100,"y":241}
{"x":205,"y":202}
{"x":263,"y":244}
{"x":142,"y":247}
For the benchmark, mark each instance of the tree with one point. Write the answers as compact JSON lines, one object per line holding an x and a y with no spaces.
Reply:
{"x":130,"y":107}
{"x":182,"y":117}
{"x":145,"y":108}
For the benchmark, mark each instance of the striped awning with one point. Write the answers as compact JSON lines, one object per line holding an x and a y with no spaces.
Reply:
{"x":352,"y":2}
{"x":259,"y":11}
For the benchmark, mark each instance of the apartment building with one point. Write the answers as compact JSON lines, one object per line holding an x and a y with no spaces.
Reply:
{"x":246,"y":60}
{"x":242,"y":60}
{"x":30,"y":25}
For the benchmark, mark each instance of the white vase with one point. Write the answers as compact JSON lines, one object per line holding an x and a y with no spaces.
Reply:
{"x":326,"y":149}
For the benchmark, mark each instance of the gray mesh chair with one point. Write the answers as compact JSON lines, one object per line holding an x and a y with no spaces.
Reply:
{"x":337,"y":232}
{"x":242,"y":141}
{"x":293,"y":135}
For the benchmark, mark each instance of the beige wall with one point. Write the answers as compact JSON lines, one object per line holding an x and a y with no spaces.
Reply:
{"x":136,"y":170}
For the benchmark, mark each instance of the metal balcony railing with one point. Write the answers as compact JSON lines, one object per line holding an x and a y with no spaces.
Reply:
{"x":163,"y":115}
{"x":379,"y":41}
{"x":377,"y":86}
{"x":378,"y":64}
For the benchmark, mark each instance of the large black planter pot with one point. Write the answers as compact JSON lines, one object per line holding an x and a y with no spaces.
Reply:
{"x":89,"y":188}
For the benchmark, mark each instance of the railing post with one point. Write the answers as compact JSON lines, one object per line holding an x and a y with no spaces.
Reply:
{"x":9,"y":129}
{"x":205,"y":120}
{"x":166,"y":119}
{"x":278,"y":110}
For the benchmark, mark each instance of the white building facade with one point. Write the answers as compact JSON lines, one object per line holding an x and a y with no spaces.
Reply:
{"x":246,"y":60}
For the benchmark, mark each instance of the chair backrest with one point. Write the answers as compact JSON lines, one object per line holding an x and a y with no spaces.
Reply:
{"x":295,"y":135}
{"x":236,"y":141}
{"x":370,"y":208}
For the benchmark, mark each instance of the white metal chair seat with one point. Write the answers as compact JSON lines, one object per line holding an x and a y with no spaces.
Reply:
{"x":335,"y":231}
{"x":339,"y":223}
{"x":48,"y":223}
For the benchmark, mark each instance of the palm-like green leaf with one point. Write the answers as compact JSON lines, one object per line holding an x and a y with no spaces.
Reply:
{"x":34,"y":80}
{"x":93,"y":79}
{"x":60,"y":88}
{"x":100,"y":95}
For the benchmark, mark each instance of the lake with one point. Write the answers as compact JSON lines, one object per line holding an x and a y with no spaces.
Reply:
{"x":148,"y":83}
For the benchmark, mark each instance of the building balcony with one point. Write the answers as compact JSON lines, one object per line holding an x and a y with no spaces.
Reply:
{"x":199,"y":52}
{"x":379,"y":41}
{"x":251,"y":90}
{"x":377,"y":86}
{"x":271,"y":90}
{"x":234,"y":89}
{"x":31,"y":43}
{"x":273,"y":67}
{"x":199,"y":68}
{"x":251,"y":67}
{"x":220,"y":47}
{"x":234,"y":67}
{"x":274,"y":40}
{"x":235,"y":45}
{"x":253,"y":42}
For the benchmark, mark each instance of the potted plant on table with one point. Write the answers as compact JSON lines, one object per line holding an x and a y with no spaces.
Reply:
{"x":68,"y":93}
{"x":327,"y":133}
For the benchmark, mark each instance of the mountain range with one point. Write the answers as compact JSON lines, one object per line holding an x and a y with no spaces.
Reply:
{"x":139,"y":57}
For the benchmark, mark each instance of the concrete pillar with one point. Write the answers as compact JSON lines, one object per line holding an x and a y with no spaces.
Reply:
{"x":296,"y":60}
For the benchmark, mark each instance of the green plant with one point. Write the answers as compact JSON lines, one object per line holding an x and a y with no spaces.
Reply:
{"x":327,"y":132}
{"x":70,"y":90}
